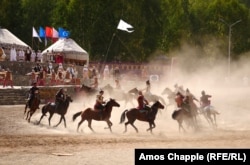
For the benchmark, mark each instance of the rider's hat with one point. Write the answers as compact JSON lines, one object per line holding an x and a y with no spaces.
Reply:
{"x":101,"y":91}
{"x":203,"y":92}
{"x":147,"y":82}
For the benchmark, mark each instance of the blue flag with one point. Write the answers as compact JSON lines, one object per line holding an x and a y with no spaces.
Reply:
{"x":41,"y":32}
{"x":63,"y":33}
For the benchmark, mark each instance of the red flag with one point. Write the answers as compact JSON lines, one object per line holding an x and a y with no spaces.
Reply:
{"x":48,"y":32}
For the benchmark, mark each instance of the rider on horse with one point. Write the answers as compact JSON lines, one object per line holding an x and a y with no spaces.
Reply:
{"x":142,"y":103}
{"x":99,"y":103}
{"x":32,"y":92}
{"x":204,"y":99}
{"x":148,"y":88}
{"x":60,"y":97}
{"x":179,"y":99}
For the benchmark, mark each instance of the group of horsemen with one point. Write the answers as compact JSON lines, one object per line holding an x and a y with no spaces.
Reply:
{"x":183,"y":99}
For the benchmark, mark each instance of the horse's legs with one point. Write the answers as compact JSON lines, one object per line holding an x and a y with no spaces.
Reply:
{"x":60,"y":121}
{"x":151,"y":126}
{"x":41,"y":118}
{"x":82,"y":120}
{"x":89,"y":125}
{"x":132,"y":123}
{"x":50,"y":116}
{"x":109,"y":125}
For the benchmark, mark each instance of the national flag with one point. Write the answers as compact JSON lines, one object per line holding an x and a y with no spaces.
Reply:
{"x":41,"y":32}
{"x":125,"y":26}
{"x":63,"y":33}
{"x":55,"y":33}
{"x":48,"y":32}
{"x":35,"y":34}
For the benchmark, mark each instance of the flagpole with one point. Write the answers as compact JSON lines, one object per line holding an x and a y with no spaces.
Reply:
{"x":106,"y":55}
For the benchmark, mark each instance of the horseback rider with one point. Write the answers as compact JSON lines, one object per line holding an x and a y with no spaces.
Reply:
{"x":204,"y":99}
{"x":148,"y":88}
{"x":99,"y":103}
{"x":60,"y":97}
{"x":32,"y":92}
{"x":142,"y":103}
{"x":179,"y":99}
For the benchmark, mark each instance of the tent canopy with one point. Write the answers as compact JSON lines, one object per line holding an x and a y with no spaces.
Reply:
{"x":69,"y":48}
{"x":7,"y":40}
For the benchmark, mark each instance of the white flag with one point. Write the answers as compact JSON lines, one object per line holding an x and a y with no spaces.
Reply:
{"x":55,"y":33}
{"x":35,"y":34}
{"x":124,"y":26}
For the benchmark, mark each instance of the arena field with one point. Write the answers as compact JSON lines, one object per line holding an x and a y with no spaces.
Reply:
{"x":27,"y":143}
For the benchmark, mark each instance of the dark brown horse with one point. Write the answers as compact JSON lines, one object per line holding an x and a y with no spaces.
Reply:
{"x":61,"y":110}
{"x":181,"y":115}
{"x":134,"y":114}
{"x":90,"y":114}
{"x":33,"y":107}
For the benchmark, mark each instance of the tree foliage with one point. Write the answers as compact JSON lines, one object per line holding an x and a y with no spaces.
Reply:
{"x":160,"y":25}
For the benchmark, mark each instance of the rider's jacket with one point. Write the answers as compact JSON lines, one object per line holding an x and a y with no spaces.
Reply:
{"x":33,"y":91}
{"x":60,"y":96}
{"x":99,"y":102}
{"x":141,"y":102}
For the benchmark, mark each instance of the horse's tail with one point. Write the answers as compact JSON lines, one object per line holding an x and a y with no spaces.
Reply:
{"x":122,"y":119}
{"x":76,"y":115}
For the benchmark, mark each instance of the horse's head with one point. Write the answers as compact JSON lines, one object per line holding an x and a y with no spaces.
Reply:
{"x":68,"y":98}
{"x":113,"y":103}
{"x":134,"y":91}
{"x":157,"y":105}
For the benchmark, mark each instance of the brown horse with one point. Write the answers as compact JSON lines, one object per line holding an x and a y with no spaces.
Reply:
{"x":181,"y":115}
{"x":61,"y":110}
{"x":90,"y":114}
{"x":33,"y":107}
{"x":171,"y":96}
{"x":134,"y":114}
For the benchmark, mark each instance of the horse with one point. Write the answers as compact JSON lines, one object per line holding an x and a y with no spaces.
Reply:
{"x":181,"y":115}
{"x":208,"y":112}
{"x":33,"y":107}
{"x":90,"y":114}
{"x":134,"y":113}
{"x":61,"y":110}
{"x":119,"y":94}
{"x":171,"y":96}
{"x":150,"y":97}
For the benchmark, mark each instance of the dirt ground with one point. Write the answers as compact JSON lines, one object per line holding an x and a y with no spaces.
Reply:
{"x":28,"y":143}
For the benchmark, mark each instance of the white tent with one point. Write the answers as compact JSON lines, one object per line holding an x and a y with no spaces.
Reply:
{"x":70,"y":49}
{"x":7,"y":40}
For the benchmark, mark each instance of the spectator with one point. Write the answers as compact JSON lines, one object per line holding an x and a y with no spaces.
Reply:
{"x":33,"y":56}
{"x":106,"y":73}
{"x":27,"y":54}
{"x":39,"y":56}
{"x":21,"y":55}
{"x":13,"y":53}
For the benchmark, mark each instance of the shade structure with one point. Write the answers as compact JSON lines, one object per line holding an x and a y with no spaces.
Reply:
{"x":7,"y":40}
{"x":71,"y":51}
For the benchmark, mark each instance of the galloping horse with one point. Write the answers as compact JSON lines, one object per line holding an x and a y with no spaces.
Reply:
{"x":134,"y":114}
{"x":171,"y":96}
{"x":61,"y":110}
{"x":90,"y":114}
{"x":33,"y":107}
{"x":150,"y":97}
{"x":181,"y":115}
{"x":208,"y":112}
{"x":119,"y":94}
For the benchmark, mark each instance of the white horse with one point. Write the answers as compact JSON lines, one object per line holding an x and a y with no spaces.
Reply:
{"x":208,"y":112}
